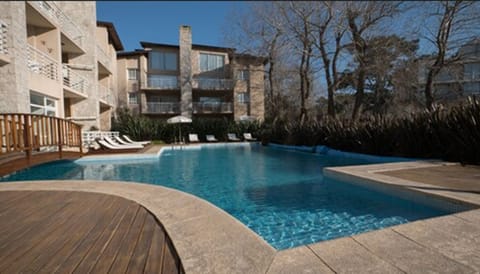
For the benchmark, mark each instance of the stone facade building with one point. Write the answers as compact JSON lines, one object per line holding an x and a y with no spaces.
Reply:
{"x":192,"y":80}
{"x":56,"y":59}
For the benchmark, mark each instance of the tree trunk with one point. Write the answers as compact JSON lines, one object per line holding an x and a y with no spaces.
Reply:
{"x":359,"y":94}
{"x":428,"y":91}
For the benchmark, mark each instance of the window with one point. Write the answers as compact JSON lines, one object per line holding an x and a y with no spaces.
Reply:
{"x":40,"y":104}
{"x":210,"y":62}
{"x":243,"y":75}
{"x":243,"y":98}
{"x":132,"y":98}
{"x":471,"y":71}
{"x":132,"y":74}
{"x":162,"y":60}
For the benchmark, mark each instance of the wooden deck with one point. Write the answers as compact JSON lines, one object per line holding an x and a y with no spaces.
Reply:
{"x":81,"y":232}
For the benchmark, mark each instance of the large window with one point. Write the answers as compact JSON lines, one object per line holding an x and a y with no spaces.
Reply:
{"x":132,"y":74}
{"x":40,"y":104}
{"x":210,"y":62}
{"x":159,"y":60}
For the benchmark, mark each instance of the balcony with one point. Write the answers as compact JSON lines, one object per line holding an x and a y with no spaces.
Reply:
{"x":4,"y":59}
{"x":41,"y":63}
{"x":162,"y":82}
{"x":51,"y":11}
{"x":104,"y":60}
{"x":74,"y":81}
{"x":213,"y":84}
{"x":162,"y":108}
{"x":106,"y":95}
{"x":212,"y":107}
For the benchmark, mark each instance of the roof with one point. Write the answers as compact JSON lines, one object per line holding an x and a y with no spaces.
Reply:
{"x":132,"y":53}
{"x":254,"y":58}
{"x":112,"y":34}
{"x":194,"y":46}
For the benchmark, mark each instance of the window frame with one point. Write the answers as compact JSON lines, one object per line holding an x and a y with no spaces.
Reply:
{"x":213,"y":61}
{"x":131,"y":70}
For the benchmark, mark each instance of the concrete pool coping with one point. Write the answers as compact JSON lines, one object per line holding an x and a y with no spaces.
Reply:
{"x":208,"y":240}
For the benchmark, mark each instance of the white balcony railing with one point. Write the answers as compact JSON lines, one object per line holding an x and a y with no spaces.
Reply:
{"x":41,"y":63}
{"x":162,"y":82}
{"x":103,"y":57}
{"x":212,"y":107}
{"x":106,"y":94}
{"x":74,"y":80}
{"x":213,"y":84}
{"x":55,"y":14}
{"x":3,"y":38}
{"x":164,"y":107}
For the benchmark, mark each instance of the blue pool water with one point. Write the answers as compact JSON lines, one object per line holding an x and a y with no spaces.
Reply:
{"x":281,"y":195}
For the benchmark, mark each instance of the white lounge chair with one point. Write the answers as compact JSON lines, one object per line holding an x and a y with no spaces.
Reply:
{"x":248,"y":137}
{"x":115,"y":144}
{"x":193,"y":138}
{"x":108,"y":146}
{"x":135,"y":142}
{"x":233,"y":137}
{"x":211,"y":138}
{"x":121,"y":141}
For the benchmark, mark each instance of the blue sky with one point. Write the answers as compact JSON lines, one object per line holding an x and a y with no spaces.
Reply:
{"x":159,"y":22}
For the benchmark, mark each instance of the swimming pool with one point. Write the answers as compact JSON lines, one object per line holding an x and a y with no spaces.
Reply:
{"x":281,"y":195}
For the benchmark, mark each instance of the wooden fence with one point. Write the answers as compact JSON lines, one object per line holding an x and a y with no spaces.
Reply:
{"x":27,"y":133}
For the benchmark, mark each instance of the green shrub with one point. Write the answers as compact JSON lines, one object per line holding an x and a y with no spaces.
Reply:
{"x":448,"y":134}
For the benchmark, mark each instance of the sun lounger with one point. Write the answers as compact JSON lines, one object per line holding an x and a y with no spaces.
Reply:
{"x":211,"y":138}
{"x":135,"y":142}
{"x":115,"y":144}
{"x":248,"y":137}
{"x":233,"y":137}
{"x":193,"y":138}
{"x":121,"y":141}
{"x":107,"y":146}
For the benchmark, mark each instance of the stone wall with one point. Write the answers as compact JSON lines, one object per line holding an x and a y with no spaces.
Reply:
{"x":186,"y":70}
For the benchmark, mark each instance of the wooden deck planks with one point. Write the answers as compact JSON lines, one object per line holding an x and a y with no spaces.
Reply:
{"x":65,"y":231}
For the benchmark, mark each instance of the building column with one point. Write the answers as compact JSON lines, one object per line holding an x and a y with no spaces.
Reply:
{"x":186,"y":71}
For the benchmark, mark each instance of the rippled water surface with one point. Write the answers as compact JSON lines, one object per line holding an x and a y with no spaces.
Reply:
{"x":281,"y":195}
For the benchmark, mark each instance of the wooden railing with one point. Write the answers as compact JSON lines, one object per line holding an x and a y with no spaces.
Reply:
{"x":20,"y":132}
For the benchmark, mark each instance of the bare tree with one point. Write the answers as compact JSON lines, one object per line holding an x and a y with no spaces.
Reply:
{"x":329,"y":26}
{"x":298,"y":16}
{"x":362,"y":18}
{"x":451,"y":26}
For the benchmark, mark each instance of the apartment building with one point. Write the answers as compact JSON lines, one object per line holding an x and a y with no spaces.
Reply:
{"x":56,"y":59}
{"x":192,"y":80}
{"x":460,"y":78}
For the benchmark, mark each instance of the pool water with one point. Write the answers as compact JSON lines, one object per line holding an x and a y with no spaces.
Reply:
{"x":281,"y":195}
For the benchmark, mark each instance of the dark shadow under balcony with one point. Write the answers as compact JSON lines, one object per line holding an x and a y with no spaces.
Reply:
{"x":162,"y":108}
{"x":212,"y":107}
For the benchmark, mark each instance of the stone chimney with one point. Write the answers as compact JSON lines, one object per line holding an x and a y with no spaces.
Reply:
{"x":186,"y":70}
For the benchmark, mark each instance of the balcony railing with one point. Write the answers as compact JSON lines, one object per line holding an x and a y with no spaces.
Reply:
{"x":3,"y":38}
{"x":106,"y":94}
{"x":212,"y":107}
{"x":154,"y":81}
{"x":213,"y":84}
{"x":41,"y":63}
{"x":162,"y":108}
{"x":103,"y":57}
{"x":74,"y":80}
{"x":55,"y":14}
